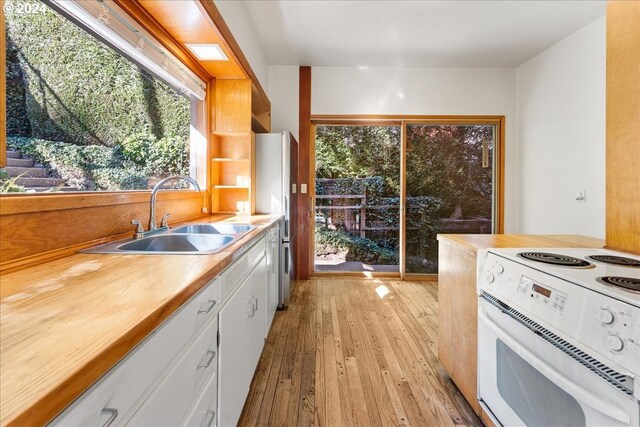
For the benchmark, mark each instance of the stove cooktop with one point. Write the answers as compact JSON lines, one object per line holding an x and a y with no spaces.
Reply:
{"x":610,"y":273}
{"x":555,"y":259}
{"x":624,"y":261}
{"x":623,"y":282}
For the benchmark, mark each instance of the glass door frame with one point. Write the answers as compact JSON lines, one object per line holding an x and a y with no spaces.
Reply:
{"x":403,"y":121}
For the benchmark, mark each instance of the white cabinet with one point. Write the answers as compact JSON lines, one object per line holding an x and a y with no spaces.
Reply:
{"x":234,"y":375}
{"x":118,"y":394}
{"x":196,"y":368}
{"x":242,"y":334}
{"x":204,"y":412}
{"x":273,"y":274}
{"x":258,"y":319}
{"x":170,"y":402}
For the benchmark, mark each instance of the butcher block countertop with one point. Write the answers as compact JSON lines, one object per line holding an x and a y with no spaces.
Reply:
{"x":475,"y":242}
{"x":65,"y":323}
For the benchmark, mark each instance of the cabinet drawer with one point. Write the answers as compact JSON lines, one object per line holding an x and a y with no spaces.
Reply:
{"x":169,"y":402}
{"x":204,"y":412}
{"x":121,"y":389}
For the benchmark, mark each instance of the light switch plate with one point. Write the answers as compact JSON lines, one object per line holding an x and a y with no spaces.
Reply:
{"x":303,"y":188}
{"x":294,"y":188}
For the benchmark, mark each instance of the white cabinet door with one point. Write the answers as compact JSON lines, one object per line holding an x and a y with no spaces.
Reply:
{"x":273,"y":273}
{"x":258,"y":322}
{"x":234,"y":371}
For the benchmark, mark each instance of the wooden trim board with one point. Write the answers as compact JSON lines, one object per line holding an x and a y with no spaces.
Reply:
{"x":62,"y":225}
{"x":146,"y":20}
{"x":623,"y":126}
{"x":261,"y":103}
{"x":303,"y":247}
{"x":3,"y":95}
{"x":403,"y":200}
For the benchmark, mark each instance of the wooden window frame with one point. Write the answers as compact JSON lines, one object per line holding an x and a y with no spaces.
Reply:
{"x":199,"y":121}
{"x":94,"y":204}
{"x":403,"y":121}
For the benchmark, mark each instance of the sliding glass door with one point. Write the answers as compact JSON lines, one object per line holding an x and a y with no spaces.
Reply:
{"x":449,"y":187}
{"x":357,"y":198}
{"x":385,"y":186}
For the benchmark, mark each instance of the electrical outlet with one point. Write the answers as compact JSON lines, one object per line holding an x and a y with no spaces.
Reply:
{"x":303,"y":188}
{"x":582,"y":196}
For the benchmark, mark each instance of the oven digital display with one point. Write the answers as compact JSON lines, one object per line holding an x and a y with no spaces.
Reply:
{"x":542,"y":291}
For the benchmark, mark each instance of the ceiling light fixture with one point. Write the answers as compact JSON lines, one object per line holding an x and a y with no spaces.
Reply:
{"x":208,"y":52}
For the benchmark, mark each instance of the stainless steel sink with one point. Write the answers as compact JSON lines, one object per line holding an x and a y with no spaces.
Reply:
{"x":182,"y":243}
{"x":204,"y":238}
{"x":221,"y":228}
{"x":167,"y":243}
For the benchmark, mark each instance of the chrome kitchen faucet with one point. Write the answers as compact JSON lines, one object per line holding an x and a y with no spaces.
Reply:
{"x":164,"y":226}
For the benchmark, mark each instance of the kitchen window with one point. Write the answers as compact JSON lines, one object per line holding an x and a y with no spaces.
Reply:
{"x":94,"y":102}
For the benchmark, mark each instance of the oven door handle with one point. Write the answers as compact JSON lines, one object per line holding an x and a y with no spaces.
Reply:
{"x":572,"y":388}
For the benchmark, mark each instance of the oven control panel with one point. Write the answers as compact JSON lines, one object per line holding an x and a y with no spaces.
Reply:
{"x":604,"y":327}
{"x":544,"y":295}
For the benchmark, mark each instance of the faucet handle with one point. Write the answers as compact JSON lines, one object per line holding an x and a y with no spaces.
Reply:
{"x":139,"y":228}
{"x":165,"y":222}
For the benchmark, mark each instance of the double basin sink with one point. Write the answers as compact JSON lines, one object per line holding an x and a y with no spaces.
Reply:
{"x":189,"y":239}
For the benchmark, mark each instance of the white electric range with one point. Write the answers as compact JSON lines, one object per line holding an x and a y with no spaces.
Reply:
{"x":559,"y":337}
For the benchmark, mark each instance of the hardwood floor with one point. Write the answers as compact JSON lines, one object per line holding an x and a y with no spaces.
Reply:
{"x":355,"y":352}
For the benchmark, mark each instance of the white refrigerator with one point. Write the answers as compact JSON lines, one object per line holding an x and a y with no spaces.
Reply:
{"x":276,"y":182}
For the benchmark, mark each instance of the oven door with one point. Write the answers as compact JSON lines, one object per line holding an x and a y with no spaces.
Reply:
{"x":523,"y":380}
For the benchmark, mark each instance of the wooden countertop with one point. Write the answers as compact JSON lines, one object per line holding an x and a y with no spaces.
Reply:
{"x":475,"y":242}
{"x":65,"y":323}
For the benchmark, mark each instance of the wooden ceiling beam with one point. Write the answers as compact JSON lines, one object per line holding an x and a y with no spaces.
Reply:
{"x":144,"y":18}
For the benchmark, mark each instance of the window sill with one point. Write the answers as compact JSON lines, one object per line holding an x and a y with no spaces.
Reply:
{"x":11,"y":204}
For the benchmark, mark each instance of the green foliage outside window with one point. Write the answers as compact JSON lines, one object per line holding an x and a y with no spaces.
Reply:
{"x":92,"y":116}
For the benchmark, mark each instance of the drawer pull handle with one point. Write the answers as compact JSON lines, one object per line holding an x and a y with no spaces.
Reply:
{"x":112,"y":417}
{"x":213,"y":417}
{"x":212,"y":303}
{"x":212,"y":355}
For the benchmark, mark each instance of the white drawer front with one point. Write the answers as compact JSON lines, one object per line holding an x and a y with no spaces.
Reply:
{"x":129,"y":381}
{"x":204,"y":413}
{"x":169,"y":402}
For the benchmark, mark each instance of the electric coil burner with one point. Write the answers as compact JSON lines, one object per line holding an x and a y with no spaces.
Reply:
{"x":615,"y":260}
{"x":623,"y":282}
{"x":556,"y":259}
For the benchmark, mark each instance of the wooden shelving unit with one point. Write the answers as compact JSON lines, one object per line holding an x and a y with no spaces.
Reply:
{"x":232,"y":148}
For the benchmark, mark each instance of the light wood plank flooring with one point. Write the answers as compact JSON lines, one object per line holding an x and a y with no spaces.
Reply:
{"x":355,"y":352}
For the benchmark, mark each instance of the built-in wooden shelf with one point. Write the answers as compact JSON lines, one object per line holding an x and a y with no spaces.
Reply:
{"x":231,"y":133}
{"x":261,"y":123}
{"x":232,"y":148}
{"x":229,"y":160}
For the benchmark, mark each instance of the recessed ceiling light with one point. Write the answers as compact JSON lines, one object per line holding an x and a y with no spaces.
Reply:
{"x":208,"y":52}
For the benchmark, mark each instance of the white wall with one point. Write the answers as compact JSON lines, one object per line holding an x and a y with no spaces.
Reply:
{"x":560,"y":99}
{"x":284,"y":96}
{"x":241,"y":26}
{"x":403,"y":91}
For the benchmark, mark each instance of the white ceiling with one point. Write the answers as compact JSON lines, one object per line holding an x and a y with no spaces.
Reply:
{"x":414,"y":33}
